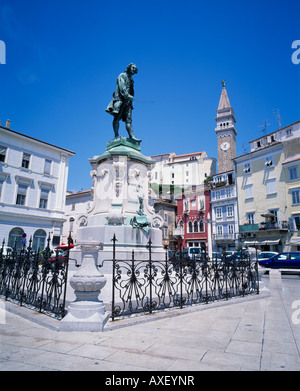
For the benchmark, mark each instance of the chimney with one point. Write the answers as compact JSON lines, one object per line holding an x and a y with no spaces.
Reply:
{"x":7,"y":124}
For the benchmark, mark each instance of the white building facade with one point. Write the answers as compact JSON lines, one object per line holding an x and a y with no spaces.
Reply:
{"x":182,"y":171}
{"x":33,"y":182}
{"x":77,"y":206}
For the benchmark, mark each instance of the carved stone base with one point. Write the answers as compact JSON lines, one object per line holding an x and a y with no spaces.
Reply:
{"x":87,"y":312}
{"x":85,"y":316}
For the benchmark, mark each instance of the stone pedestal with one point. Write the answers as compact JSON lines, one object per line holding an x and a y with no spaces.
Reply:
{"x":87,"y":312}
{"x":121,"y":187}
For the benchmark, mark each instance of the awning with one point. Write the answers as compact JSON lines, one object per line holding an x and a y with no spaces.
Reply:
{"x":65,"y":246}
{"x":268,"y":215}
{"x":261,"y":242}
{"x":295,"y":241}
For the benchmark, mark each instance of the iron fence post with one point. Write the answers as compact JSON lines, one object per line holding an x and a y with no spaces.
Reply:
{"x":114,"y":239}
{"x":63,"y":313}
{"x":150,"y":274}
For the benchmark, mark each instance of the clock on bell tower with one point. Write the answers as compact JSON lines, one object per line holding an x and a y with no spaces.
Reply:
{"x":226,"y":133}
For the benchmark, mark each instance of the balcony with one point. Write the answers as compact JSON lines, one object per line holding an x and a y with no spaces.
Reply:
{"x":224,"y":237}
{"x":248,"y":228}
{"x":265,"y":226}
{"x":178,"y":231}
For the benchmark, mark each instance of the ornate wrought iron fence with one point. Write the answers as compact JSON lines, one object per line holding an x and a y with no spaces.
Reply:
{"x":145,"y":286}
{"x":37,"y":280}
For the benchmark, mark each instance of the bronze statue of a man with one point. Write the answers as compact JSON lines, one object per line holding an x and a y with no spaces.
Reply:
{"x":121,"y":104}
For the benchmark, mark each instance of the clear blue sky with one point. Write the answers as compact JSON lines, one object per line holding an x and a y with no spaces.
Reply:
{"x":63,"y":58}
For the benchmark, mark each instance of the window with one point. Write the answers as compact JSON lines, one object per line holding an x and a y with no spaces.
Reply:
{"x":15,"y":237}
{"x":228,"y":192}
{"x":201,"y":226}
{"x":1,"y":186}
{"x":218,"y":212}
{"x":186,"y":206}
{"x":25,"y":160}
{"x":218,"y":195}
{"x":39,"y":240}
{"x":275,"y":213}
{"x":2,"y":153}
{"x":295,"y":197}
{"x":44,"y":199}
{"x":193,"y":202}
{"x":220,"y":229}
{"x":250,"y":217}
{"x":190,"y":226}
{"x":269,"y":161}
{"x":21,"y":195}
{"x":195,"y":226}
{"x":288,"y":132}
{"x":187,"y":173}
{"x":271,"y":186}
{"x":293,"y":173}
{"x":248,"y":191}
{"x":201,"y":203}
{"x":247,"y":168}
{"x":229,"y":211}
{"x":297,"y":222}
{"x":173,"y":174}
{"x":231,"y":229}
{"x":47,"y":166}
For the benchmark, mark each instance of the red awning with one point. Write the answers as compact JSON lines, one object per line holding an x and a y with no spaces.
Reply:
{"x":65,"y":246}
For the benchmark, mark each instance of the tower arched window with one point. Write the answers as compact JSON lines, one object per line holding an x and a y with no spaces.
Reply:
{"x":190,"y":227}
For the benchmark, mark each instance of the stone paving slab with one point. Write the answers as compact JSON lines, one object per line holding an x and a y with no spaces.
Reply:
{"x":253,"y":334}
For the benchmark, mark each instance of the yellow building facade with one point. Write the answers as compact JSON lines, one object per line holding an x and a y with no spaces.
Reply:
{"x":268,"y":191}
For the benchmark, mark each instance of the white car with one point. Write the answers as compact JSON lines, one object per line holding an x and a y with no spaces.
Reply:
{"x":6,"y":250}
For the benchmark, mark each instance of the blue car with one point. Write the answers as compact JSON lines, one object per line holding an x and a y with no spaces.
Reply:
{"x":289,"y":260}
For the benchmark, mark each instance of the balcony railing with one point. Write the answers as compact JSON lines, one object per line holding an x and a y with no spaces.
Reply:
{"x":224,"y":237}
{"x":282,"y":225}
{"x":178,"y":232}
{"x":249,"y":228}
{"x":264,"y":226}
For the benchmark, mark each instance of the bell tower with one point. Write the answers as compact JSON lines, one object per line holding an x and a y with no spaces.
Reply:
{"x":226,"y":132}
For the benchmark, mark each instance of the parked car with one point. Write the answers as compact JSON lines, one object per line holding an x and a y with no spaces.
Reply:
{"x":288,"y":260}
{"x":59,"y":256}
{"x":265,"y":255}
{"x":228,"y":254}
{"x":171,"y":256}
{"x":216,"y":257}
{"x":6,"y":250}
{"x":194,"y":253}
